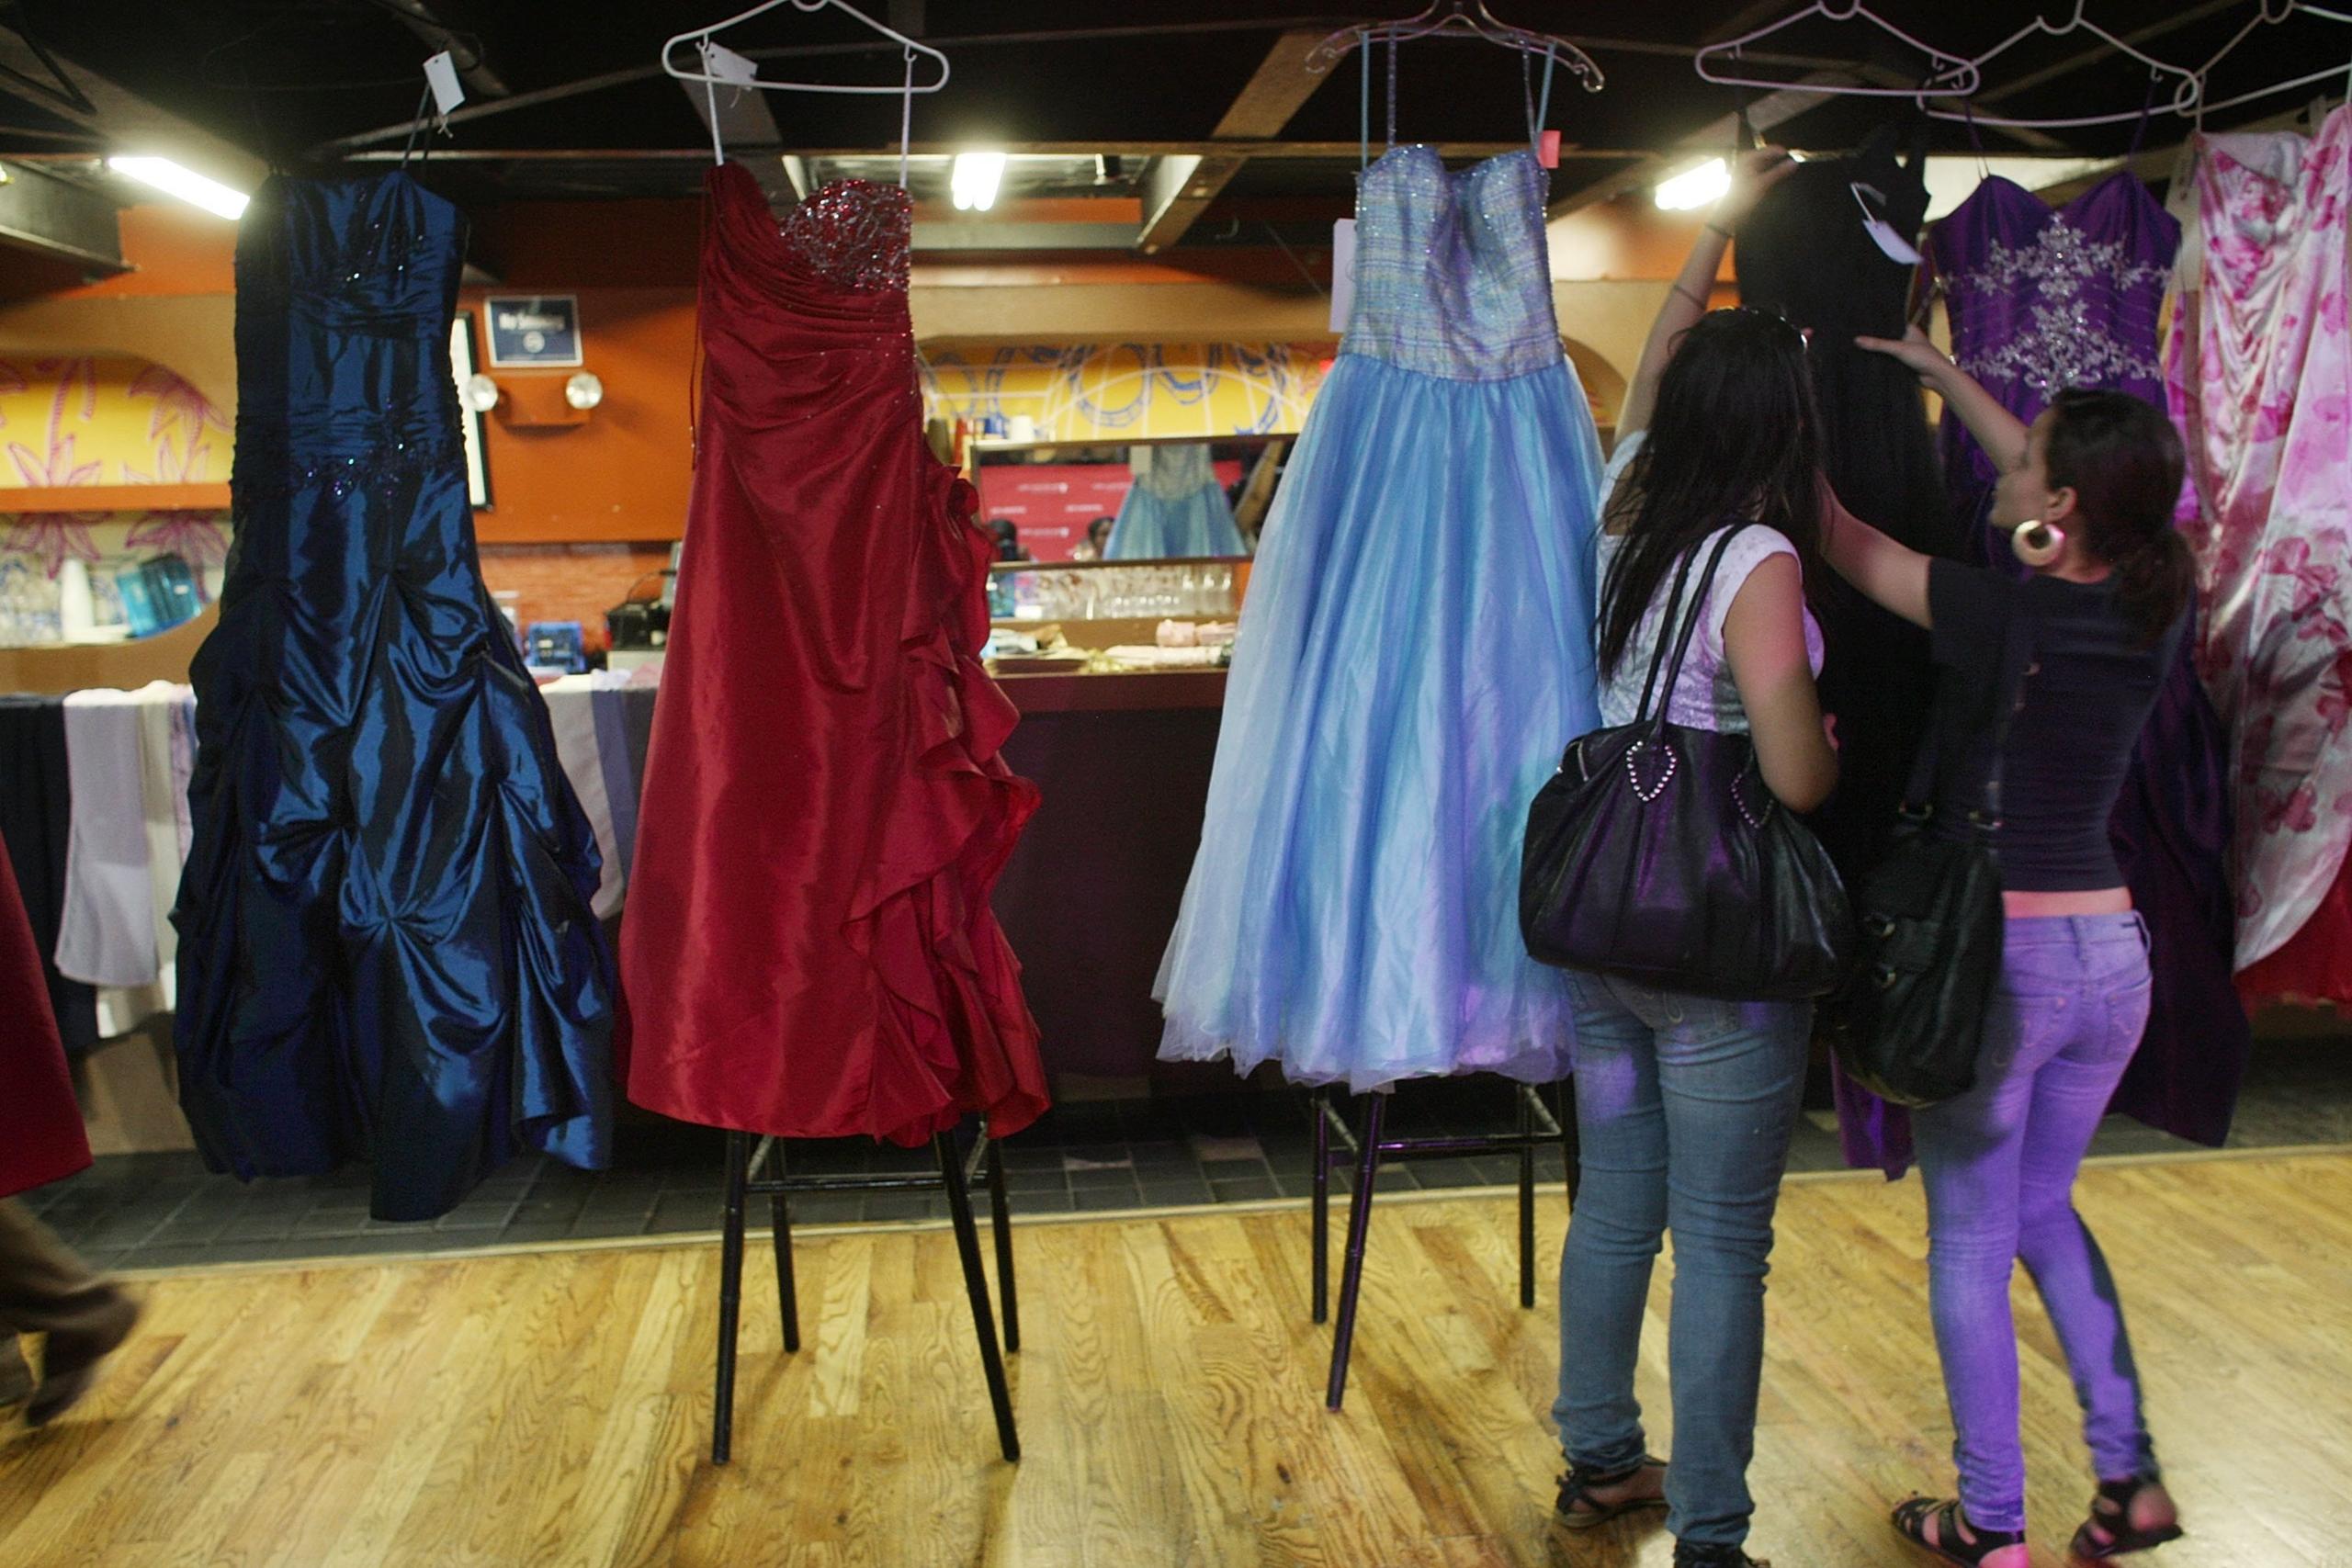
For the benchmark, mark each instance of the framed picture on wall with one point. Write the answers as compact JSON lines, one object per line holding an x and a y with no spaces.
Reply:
{"x":461,"y":366}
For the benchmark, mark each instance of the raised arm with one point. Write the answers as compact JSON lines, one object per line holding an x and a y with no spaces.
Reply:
{"x":1892,"y":575}
{"x":1752,"y":176}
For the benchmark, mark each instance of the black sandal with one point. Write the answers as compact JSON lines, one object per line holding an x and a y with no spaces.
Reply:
{"x":1911,"y":1522}
{"x":2108,"y":1533}
{"x":1693,"y":1554}
{"x":1579,"y":1510}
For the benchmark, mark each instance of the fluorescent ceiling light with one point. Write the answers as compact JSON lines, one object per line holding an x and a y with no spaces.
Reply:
{"x":173,"y":179}
{"x":973,"y":178}
{"x":1702,"y":186}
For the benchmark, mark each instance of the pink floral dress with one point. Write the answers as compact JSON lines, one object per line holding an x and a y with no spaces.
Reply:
{"x":2259,"y":377}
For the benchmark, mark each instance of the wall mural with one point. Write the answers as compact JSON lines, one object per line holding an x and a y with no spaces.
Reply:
{"x":1125,"y":391}
{"x":101,"y":420}
{"x":107,"y":420}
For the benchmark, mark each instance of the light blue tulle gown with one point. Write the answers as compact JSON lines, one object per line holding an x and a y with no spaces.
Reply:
{"x":1415,"y":651}
{"x":1175,"y":508}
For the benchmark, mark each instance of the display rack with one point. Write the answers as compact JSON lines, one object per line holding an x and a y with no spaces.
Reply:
{"x":744,"y":1164}
{"x":1538,"y":1124}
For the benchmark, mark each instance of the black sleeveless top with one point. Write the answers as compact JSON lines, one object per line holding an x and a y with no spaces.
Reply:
{"x":2082,"y":693}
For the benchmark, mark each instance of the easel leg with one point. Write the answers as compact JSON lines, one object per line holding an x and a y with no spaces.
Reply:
{"x":1318,"y":1105}
{"x":731,"y":1296}
{"x":780,"y":1220}
{"x":976,"y":1283}
{"x":1352,"y":1277}
{"x":1001,"y":1227}
{"x":1526,"y":1097}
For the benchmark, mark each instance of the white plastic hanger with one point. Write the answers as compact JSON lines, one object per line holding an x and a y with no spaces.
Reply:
{"x":2185,"y":94}
{"x":2264,"y":18}
{"x":1469,"y":16}
{"x":1953,"y":73}
{"x":722,"y":67}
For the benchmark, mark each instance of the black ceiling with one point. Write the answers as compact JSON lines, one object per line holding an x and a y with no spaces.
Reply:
{"x":302,"y":81}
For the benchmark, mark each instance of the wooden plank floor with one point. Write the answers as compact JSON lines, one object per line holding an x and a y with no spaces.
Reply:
{"x":553,"y":1409}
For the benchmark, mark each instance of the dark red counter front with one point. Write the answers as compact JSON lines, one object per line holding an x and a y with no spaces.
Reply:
{"x":1090,"y":897}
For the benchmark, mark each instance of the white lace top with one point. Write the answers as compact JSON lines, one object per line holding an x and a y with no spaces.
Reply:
{"x":1706,"y":697}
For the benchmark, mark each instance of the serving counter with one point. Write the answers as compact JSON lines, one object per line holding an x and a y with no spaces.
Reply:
{"x":1090,"y":894}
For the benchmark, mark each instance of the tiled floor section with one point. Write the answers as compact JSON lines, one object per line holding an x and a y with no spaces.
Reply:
{"x":159,"y":1211}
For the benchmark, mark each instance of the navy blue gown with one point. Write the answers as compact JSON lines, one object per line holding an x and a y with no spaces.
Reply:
{"x":386,"y":949}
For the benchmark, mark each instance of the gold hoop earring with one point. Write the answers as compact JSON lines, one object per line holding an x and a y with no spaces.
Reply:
{"x":2036,"y":543}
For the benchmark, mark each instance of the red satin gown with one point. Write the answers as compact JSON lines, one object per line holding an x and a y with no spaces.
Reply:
{"x":808,"y":948}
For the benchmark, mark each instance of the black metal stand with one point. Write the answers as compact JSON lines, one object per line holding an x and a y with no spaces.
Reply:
{"x":744,"y":1164}
{"x":1538,"y":1123}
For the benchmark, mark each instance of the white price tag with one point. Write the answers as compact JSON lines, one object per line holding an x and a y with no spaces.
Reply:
{"x":723,"y":62}
{"x":441,"y":75}
{"x":1343,"y":273}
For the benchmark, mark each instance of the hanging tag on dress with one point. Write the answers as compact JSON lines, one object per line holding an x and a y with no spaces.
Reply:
{"x":1343,"y":273}
{"x":441,"y":75}
{"x":1882,"y":233}
{"x":1547,"y":149}
{"x":723,"y":62}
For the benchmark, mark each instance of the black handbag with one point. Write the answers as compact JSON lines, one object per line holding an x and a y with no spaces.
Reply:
{"x":1908,"y":1025}
{"x":1657,"y":854}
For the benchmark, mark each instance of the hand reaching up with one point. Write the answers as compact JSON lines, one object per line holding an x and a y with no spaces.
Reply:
{"x":1914,"y":349}
{"x":1752,"y":173}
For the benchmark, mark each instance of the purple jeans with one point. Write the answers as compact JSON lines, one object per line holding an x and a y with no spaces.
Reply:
{"x":1999,"y":1163}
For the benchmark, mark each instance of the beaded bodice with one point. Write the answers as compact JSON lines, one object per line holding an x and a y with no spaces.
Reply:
{"x":855,"y":233}
{"x":346,"y":290}
{"x":2051,"y":299}
{"x":1451,"y":275}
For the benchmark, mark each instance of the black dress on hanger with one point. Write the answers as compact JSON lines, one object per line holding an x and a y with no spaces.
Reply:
{"x":1805,"y":254}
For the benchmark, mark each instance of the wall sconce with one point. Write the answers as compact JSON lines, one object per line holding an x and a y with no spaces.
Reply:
{"x":548,"y":402}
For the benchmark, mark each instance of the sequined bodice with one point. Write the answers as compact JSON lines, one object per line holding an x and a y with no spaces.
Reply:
{"x":2042,"y":300}
{"x":1451,"y":276}
{"x":855,"y":233}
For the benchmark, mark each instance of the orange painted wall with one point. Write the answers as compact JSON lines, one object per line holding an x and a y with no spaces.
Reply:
{"x":622,"y":475}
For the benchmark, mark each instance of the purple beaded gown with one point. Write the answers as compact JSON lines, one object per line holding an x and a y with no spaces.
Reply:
{"x":2042,"y":300}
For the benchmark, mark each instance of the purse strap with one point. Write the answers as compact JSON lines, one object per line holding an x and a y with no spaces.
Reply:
{"x":1919,"y":799}
{"x":1690,"y":625}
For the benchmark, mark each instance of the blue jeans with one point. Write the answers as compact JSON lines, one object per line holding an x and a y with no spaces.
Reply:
{"x":1685,"y":1107}
{"x":1999,"y":1165}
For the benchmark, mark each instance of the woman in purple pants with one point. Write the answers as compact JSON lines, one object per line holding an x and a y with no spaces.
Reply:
{"x":2085,"y":496}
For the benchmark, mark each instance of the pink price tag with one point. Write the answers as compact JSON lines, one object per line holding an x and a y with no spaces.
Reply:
{"x":1547,"y":149}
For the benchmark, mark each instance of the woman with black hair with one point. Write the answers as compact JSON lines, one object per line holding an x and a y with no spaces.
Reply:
{"x":2085,"y":497}
{"x":1685,"y":1104}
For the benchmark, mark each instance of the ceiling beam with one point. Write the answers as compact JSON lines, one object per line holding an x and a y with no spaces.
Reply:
{"x":129,"y":123}
{"x":1177,"y":190}
{"x":423,"y":18}
{"x":1715,"y":137}
{"x":59,"y":219}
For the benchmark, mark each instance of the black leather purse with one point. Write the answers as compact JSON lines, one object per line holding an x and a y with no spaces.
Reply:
{"x":1908,"y":1025}
{"x":1655,"y":853}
